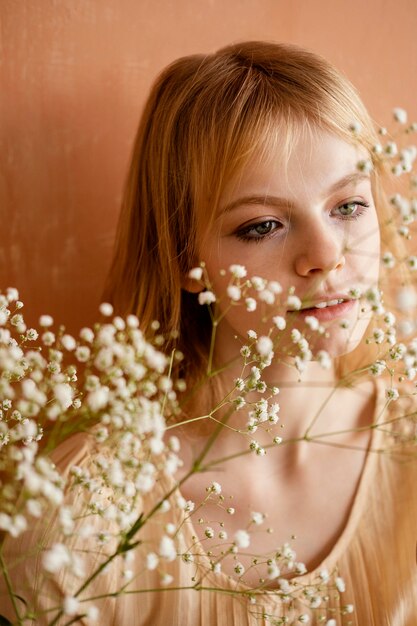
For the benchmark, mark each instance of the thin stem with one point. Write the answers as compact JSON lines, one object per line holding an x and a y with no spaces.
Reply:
{"x":9,"y":585}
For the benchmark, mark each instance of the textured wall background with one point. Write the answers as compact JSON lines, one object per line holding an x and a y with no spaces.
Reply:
{"x":74,"y":75}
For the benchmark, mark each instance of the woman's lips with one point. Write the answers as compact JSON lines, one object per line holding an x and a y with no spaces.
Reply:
{"x":328,"y":313}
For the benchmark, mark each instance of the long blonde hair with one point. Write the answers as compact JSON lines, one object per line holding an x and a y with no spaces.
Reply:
{"x":204,"y":119}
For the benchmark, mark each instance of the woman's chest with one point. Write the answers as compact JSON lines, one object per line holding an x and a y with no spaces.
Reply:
{"x":261,"y":509}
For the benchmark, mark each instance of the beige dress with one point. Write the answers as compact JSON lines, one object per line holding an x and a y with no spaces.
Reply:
{"x":375,"y":555}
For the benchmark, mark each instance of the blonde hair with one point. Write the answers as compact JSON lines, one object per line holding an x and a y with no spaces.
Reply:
{"x":205,"y":118}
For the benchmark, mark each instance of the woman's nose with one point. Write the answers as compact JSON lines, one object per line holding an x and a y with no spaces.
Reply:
{"x":320,"y":251}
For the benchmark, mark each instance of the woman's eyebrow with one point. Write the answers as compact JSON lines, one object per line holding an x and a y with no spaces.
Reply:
{"x":276,"y":201}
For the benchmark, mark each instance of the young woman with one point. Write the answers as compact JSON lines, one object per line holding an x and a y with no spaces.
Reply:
{"x":263,"y":156}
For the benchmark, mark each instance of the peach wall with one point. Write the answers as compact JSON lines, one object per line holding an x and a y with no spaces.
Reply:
{"x":73,"y":81}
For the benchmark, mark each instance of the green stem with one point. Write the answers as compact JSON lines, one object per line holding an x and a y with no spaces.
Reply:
{"x":9,"y":585}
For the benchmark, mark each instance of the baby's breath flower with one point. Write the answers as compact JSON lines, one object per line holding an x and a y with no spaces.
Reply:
{"x":267,"y":296}
{"x":412,"y":263}
{"x":242,"y":539}
{"x":400,"y":115}
{"x":294,"y":302}
{"x":45,"y":321}
{"x":252,"y":334}
{"x":234,"y":292}
{"x":70,"y":606}
{"x":392,"y":394}
{"x":304,"y":618}
{"x":152,"y":561}
{"x":167,"y":549}
{"x":209,"y":532}
{"x":196,"y":273}
{"x":257,"y":518}
{"x":340,"y":584}
{"x":68,"y":342}
{"x":279,"y":322}
{"x":365,"y":165}
{"x":56,"y":558}
{"x":64,"y":395}
{"x":206,"y":297}
{"x":86,"y":334}
{"x":230,"y":510}
{"x":32,"y":334}
{"x":106,"y":309}
{"x":239,"y":569}
{"x":388,"y":260}
{"x":355,"y":127}
{"x":273,"y":570}
{"x":251,"y":304}
{"x":238,"y":271}
{"x":377,"y":368}
{"x":275,"y":287}
{"x":215,"y":488}
{"x":245,"y":351}
{"x":166,"y":579}
{"x":264,"y":346}
{"x":258,"y":283}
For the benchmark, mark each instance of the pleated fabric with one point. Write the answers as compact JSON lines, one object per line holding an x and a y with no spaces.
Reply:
{"x":375,"y":555}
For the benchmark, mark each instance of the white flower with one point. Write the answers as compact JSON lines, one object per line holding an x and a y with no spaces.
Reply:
{"x":324,"y":359}
{"x":275,"y":287}
{"x":250,"y":304}
{"x":273,"y":570}
{"x":64,"y":395}
{"x":312,"y":322}
{"x":152,"y":561}
{"x":242,"y":539}
{"x":209,"y":532}
{"x":98,"y":398}
{"x":215,"y":488}
{"x":406,"y":298}
{"x":45,"y":321}
{"x":331,"y":622}
{"x":239,"y":569}
{"x":106,"y":309}
{"x":68,"y":342}
{"x":355,"y":127}
{"x":294,"y":302}
{"x":56,"y":558}
{"x":400,"y":115}
{"x":166,"y":579}
{"x":234,"y":293}
{"x":266,"y":295}
{"x":86,"y":334}
{"x":365,"y":165}
{"x":304,"y":618}
{"x":258,"y":283}
{"x":167,"y":549}
{"x":279,"y":322}
{"x":257,"y":518}
{"x":412,"y":263}
{"x":206,"y":297}
{"x":340,"y":584}
{"x":92,"y":613}
{"x":392,"y":394}
{"x":70,"y":606}
{"x":32,"y":334}
{"x":238,"y":271}
{"x":264,"y":346}
{"x":196,"y":273}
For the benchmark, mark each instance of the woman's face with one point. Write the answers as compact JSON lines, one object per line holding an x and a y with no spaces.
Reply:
{"x":309,"y":223}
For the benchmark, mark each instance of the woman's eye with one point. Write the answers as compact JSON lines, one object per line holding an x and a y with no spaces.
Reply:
{"x":351,"y":209}
{"x":258,"y":231}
